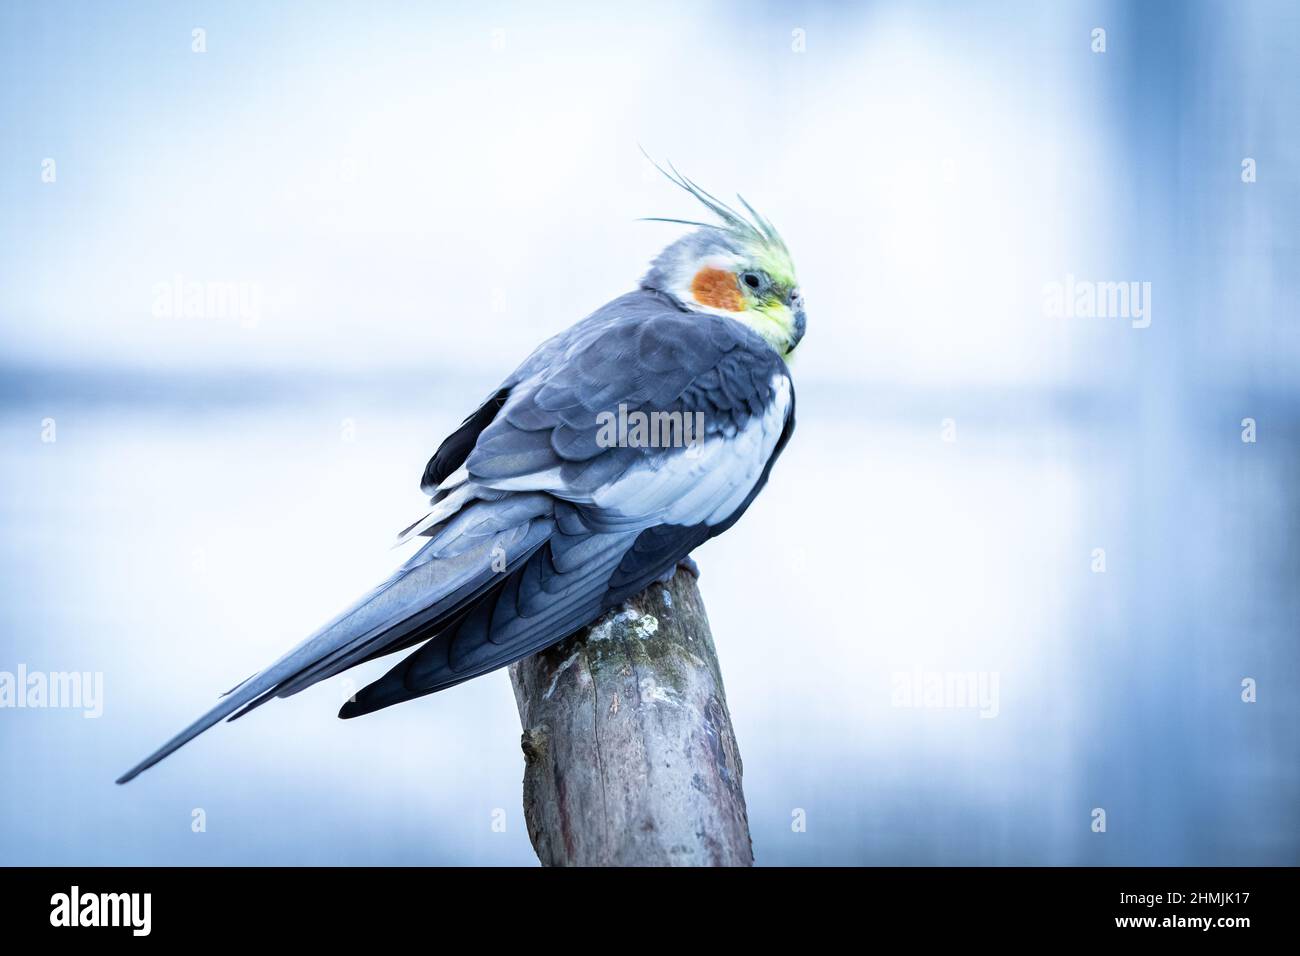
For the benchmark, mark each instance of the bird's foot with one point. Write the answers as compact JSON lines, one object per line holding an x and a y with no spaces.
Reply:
{"x":685,"y":564}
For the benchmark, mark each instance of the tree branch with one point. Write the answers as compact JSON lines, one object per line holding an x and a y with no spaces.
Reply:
{"x":630,"y":758}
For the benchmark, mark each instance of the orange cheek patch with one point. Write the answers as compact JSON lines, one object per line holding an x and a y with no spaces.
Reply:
{"x":717,"y":288}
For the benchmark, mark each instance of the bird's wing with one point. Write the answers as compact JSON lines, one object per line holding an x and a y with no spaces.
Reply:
{"x":648,"y":357}
{"x":543,"y":429}
{"x":624,"y":515}
{"x":451,"y":454}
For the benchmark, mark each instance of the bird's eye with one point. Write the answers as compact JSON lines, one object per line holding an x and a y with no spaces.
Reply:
{"x":754,"y":280}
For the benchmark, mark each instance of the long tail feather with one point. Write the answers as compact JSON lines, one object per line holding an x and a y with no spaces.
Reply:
{"x":429,"y":591}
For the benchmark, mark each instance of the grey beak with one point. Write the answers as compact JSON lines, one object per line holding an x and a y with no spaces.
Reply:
{"x":800,"y":320}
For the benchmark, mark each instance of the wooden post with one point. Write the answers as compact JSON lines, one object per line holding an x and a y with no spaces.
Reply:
{"x":630,"y":759}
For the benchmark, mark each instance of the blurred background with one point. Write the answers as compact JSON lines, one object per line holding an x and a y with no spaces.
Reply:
{"x":257,"y":260}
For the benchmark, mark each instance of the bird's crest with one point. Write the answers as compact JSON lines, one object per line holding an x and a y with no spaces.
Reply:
{"x":754,"y":231}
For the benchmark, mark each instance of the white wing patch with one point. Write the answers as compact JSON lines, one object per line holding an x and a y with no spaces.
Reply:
{"x":702,"y":484}
{"x":686,"y":486}
{"x":443,"y":510}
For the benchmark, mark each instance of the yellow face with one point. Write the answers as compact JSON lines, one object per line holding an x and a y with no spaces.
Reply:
{"x":758,"y":290}
{"x":739,"y":268}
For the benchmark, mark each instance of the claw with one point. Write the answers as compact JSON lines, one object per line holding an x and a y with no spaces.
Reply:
{"x":686,"y":564}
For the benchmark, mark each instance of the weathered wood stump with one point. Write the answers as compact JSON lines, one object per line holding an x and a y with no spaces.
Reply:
{"x":630,"y":758}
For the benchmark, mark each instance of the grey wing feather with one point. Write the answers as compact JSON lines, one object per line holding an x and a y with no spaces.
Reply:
{"x":640,"y":352}
{"x":560,"y":588}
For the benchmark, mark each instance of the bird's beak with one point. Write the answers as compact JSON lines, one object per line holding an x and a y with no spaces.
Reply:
{"x":800,"y":320}
{"x":800,"y":324}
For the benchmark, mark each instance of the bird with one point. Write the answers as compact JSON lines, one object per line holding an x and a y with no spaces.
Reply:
{"x":544,"y":513}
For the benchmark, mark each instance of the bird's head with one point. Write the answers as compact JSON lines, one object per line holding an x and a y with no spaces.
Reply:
{"x":738,"y":267}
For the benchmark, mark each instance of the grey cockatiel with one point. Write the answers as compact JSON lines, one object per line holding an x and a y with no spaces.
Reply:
{"x":544,"y":515}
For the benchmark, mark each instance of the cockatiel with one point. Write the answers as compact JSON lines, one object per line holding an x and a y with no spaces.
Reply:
{"x":543,"y":515}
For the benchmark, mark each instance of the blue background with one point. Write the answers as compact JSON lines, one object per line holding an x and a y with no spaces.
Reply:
{"x":420,"y":193}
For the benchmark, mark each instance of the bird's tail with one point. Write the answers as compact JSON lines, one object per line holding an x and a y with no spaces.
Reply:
{"x":469,"y":552}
